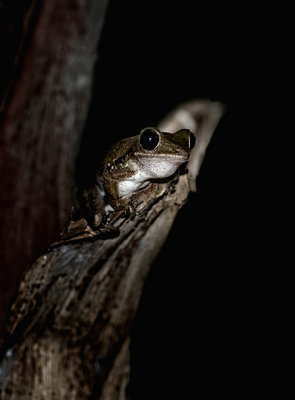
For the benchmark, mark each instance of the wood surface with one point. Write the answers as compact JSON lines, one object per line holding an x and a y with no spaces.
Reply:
{"x":68,"y":334}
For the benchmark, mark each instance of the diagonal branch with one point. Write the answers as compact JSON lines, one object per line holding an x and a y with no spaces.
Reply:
{"x":69,"y":329}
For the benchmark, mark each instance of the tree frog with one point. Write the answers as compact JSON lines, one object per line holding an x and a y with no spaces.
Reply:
{"x":132,"y":171}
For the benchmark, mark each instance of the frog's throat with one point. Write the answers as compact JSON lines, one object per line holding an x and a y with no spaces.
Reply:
{"x":130,"y":186}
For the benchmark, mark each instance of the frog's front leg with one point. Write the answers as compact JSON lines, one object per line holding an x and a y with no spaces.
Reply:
{"x":144,"y":198}
{"x":135,"y":203}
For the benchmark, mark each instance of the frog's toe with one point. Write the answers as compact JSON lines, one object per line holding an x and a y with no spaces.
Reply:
{"x":97,"y":219}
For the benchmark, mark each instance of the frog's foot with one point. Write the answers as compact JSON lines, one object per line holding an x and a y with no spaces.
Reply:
{"x":73,"y":228}
{"x":107,"y":231}
{"x":117,"y":215}
{"x":96,"y":221}
{"x":75,"y":231}
{"x":145,"y":198}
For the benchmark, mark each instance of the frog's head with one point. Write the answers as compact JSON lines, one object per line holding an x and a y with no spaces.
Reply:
{"x":161,"y":153}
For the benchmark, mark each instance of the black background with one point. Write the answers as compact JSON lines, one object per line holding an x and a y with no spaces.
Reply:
{"x":199,"y":330}
{"x":198,"y":323}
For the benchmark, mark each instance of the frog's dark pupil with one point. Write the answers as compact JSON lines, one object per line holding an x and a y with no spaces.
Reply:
{"x":149,"y":139}
{"x":192,"y":141}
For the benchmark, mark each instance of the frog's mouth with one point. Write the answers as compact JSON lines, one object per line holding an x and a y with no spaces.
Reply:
{"x":179,"y":155}
{"x":172,"y":159}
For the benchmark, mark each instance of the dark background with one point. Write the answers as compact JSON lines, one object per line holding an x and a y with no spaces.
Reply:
{"x":198,"y":325}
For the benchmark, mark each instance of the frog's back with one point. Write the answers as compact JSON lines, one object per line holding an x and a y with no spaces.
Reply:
{"x":118,"y":150}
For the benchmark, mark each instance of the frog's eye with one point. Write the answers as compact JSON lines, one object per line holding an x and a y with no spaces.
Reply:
{"x":192,"y":140}
{"x":149,"y":138}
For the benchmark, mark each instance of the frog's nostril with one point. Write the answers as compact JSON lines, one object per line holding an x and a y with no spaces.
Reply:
{"x":192,"y":140}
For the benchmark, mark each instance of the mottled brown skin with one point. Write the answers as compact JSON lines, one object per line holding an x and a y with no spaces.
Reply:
{"x":131,"y":174}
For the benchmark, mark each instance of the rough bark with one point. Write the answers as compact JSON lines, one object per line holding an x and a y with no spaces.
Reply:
{"x":68,"y":334}
{"x":43,"y":113}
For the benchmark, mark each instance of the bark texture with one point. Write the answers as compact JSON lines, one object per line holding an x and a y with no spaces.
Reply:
{"x":68,"y":334}
{"x":43,"y":112}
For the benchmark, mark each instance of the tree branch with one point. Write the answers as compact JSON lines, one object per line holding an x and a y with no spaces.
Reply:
{"x":42,"y":119}
{"x":68,"y":333}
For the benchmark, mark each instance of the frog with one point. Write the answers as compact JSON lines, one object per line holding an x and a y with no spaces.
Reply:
{"x":133,"y":173}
